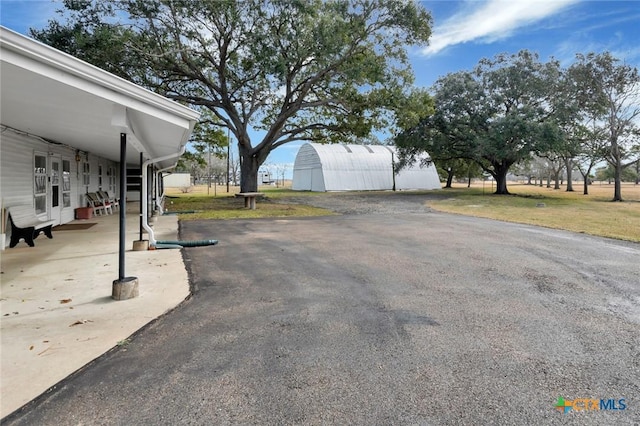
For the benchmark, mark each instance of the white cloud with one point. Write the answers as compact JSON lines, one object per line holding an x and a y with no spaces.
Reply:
{"x":491,"y":20}
{"x":618,"y":44}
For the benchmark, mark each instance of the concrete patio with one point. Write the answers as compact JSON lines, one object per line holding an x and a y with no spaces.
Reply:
{"x":56,"y":309}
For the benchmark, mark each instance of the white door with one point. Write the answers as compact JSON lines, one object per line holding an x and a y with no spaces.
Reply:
{"x":55,"y":189}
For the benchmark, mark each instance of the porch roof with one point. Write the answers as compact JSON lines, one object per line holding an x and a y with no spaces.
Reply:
{"x":57,"y":97}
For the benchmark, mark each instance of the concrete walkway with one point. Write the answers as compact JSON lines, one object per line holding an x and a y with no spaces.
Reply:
{"x":56,"y":310}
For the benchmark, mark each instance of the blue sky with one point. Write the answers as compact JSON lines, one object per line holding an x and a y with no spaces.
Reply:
{"x":465,"y":32}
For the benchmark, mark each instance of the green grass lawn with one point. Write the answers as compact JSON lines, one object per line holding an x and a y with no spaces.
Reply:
{"x":593,"y":214}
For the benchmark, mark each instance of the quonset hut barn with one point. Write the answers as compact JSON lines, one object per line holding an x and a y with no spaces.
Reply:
{"x":336,"y":167}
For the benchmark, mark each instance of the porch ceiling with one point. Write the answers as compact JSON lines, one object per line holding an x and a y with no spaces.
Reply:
{"x":55,"y":96}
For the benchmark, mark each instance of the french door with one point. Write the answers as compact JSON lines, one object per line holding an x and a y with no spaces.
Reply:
{"x":55,"y":191}
{"x":52,"y":186}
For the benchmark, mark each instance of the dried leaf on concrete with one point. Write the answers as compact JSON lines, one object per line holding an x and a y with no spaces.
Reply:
{"x":80,"y":322}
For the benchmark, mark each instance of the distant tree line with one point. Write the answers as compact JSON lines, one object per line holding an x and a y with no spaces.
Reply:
{"x":516,"y":110}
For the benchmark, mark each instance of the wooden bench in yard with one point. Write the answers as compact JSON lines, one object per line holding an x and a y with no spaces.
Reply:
{"x":250,"y":198}
{"x":25,"y":224}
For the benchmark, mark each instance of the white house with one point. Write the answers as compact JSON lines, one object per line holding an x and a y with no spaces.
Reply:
{"x":333,"y":167}
{"x":63,"y":126}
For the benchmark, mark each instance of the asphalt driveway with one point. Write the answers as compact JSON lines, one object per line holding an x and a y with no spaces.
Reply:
{"x":413,"y":317}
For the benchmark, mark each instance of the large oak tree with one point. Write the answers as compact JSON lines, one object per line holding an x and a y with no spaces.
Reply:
{"x":497,"y":115}
{"x":288,"y":70}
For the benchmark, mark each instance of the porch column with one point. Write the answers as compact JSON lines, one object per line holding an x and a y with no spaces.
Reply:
{"x":124,"y":287}
{"x":142,"y":200}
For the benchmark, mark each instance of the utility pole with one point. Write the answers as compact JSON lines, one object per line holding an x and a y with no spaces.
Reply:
{"x":209,"y":168}
{"x":228,"y":152}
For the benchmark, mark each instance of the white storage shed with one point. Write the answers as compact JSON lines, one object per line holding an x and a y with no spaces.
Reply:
{"x":177,"y":180}
{"x":337,"y":167}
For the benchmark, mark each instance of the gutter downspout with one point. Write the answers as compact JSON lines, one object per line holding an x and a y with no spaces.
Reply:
{"x":145,"y":206}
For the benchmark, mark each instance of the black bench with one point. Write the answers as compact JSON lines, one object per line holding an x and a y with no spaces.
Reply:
{"x":26,"y":225}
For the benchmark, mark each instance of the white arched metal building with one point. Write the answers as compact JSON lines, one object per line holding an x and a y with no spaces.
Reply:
{"x":334,"y":167}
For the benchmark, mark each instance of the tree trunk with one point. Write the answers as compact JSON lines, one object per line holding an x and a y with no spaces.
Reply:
{"x":250,"y":161}
{"x":500,"y":175}
{"x":585,"y":178}
{"x":616,"y":161}
{"x":568,"y":165}
{"x":617,"y":192}
{"x":449,"y":178}
{"x":249,"y":166}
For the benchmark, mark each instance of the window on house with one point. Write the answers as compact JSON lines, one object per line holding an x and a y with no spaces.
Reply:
{"x":86,"y":174}
{"x":100,"y":176}
{"x":66,"y":183}
{"x":40,"y":183}
{"x":111,"y":173}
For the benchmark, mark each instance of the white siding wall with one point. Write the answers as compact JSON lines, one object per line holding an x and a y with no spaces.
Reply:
{"x":17,"y":152}
{"x":16,"y":168}
{"x":77,"y":178}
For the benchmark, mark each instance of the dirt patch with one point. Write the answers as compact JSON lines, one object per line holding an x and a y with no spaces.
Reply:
{"x":369,"y":202}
